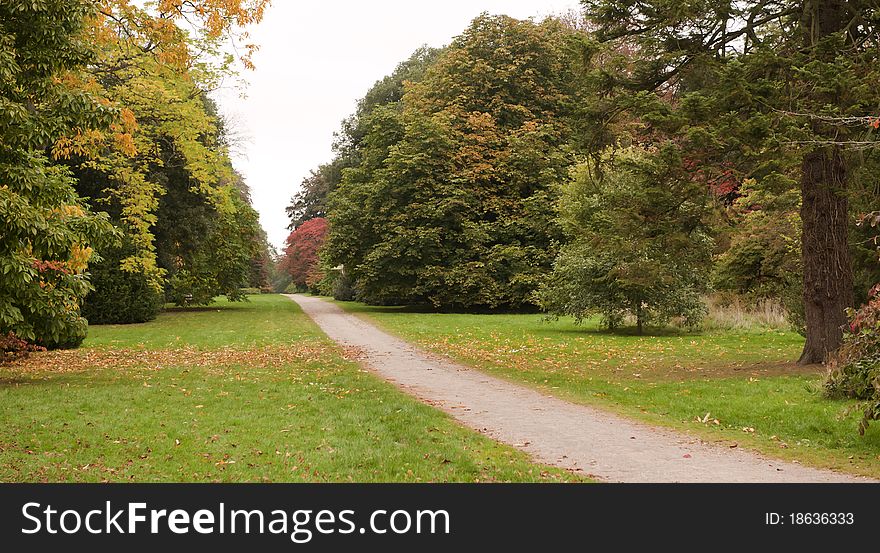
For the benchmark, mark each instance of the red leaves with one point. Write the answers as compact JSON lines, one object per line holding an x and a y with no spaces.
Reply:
{"x":875,"y":123}
{"x":12,"y":347}
{"x":46,"y":266}
{"x":301,"y":256}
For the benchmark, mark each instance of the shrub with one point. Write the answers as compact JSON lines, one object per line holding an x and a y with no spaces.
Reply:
{"x":120,"y":296}
{"x":342,"y":288}
{"x":251,"y":291}
{"x":854,"y":371}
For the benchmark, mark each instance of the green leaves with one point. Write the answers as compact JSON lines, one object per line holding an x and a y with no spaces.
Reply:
{"x":638,"y":244}
{"x":451,"y":201}
{"x":45,"y":231}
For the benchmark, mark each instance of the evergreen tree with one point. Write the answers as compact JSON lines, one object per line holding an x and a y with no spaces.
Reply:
{"x":638,"y":245}
{"x":754,"y":81}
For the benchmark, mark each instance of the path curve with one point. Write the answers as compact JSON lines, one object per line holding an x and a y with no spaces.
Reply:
{"x":553,"y":431}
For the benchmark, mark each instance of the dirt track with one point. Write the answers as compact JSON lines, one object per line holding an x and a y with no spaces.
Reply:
{"x":553,"y":431}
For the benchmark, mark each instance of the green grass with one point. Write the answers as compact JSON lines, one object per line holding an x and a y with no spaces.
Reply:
{"x":261,"y":321}
{"x":744,"y":380}
{"x":239,"y":392}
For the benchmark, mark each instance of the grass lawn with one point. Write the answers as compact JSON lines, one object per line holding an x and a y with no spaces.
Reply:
{"x":236,"y":392}
{"x":739,"y":387}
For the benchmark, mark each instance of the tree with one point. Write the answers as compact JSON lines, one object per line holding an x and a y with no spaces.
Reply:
{"x":755,"y":80}
{"x":46,"y":233}
{"x":301,"y":255}
{"x":166,"y":177}
{"x":221,"y":264}
{"x":449,"y":202}
{"x":311,"y":199}
{"x":638,"y":245}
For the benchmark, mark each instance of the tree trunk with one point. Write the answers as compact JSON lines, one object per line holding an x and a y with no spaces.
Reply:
{"x":640,"y":319}
{"x":828,"y":280}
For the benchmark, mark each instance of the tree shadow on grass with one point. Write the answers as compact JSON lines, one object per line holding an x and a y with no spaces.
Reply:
{"x":207,"y":308}
{"x":56,"y":380}
{"x":622,"y":332}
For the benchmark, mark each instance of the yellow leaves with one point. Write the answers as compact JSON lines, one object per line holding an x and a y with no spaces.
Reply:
{"x":79,"y":258}
{"x":84,"y":143}
{"x":69,"y":211}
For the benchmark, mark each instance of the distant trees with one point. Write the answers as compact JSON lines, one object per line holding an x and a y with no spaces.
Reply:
{"x":311,"y":199}
{"x":638,"y":243}
{"x":300,"y":258}
{"x":761,"y":257}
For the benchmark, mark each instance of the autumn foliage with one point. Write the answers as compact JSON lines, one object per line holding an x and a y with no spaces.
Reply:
{"x":301,"y":255}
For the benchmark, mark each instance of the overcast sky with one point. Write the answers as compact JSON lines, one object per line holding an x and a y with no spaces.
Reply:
{"x":316,"y":60}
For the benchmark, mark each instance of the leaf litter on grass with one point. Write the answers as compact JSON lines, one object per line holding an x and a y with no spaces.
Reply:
{"x":276,"y":356}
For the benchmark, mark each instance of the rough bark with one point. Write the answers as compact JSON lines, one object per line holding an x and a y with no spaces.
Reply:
{"x":828,"y":279}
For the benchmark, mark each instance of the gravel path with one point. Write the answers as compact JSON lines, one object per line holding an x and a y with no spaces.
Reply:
{"x":553,"y":431}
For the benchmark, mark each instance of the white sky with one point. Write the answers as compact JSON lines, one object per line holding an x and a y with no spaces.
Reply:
{"x":316,"y":60}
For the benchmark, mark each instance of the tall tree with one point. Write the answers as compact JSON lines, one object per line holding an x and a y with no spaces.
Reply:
{"x":310,"y":201}
{"x":46,"y":232}
{"x":165,"y":175}
{"x":756,"y":80}
{"x":449,"y":203}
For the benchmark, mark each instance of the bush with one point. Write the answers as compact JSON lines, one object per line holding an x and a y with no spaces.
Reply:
{"x":343,"y":288}
{"x":12,"y":347}
{"x":70,"y":336}
{"x":120,"y":297}
{"x":854,"y":371}
{"x":251,"y":291}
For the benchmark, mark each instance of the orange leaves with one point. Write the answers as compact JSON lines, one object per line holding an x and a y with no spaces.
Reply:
{"x":129,"y":122}
{"x":124,"y":142}
{"x":123,"y":131}
{"x":217,"y":15}
{"x":875,"y":123}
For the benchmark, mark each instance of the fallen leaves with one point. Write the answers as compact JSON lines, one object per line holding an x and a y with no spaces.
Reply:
{"x":66,"y":361}
{"x":707,"y":418}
